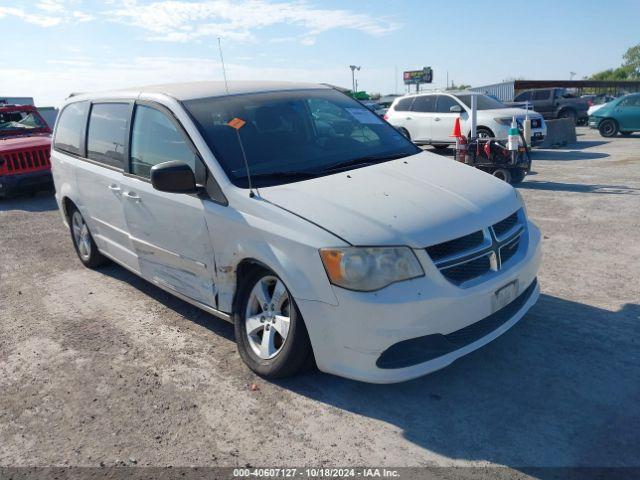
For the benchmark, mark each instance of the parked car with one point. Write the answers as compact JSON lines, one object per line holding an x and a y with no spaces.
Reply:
{"x":597,"y":101}
{"x":621,"y":115}
{"x":375,"y":107}
{"x":25,"y":144}
{"x":321,"y":240}
{"x":428,"y":118}
{"x":553,"y":103}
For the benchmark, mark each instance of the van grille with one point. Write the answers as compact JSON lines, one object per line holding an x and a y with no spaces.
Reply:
{"x":471,"y":256}
{"x":24,"y":161}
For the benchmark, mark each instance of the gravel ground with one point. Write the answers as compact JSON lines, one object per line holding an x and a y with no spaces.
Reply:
{"x":100,"y":367}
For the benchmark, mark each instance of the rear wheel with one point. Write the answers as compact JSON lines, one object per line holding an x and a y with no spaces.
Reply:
{"x":270,"y":332}
{"x":503,"y":174}
{"x":405,"y":132}
{"x":83,"y":241}
{"x":483,"y":132}
{"x":608,"y":128}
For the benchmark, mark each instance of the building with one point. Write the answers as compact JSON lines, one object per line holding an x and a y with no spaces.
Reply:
{"x":506,"y":91}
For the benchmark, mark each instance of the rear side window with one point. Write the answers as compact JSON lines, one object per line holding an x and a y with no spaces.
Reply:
{"x":107,"y":133}
{"x":70,"y":127}
{"x":403,"y":105}
{"x":633,"y":101}
{"x":155,"y":139}
{"x":426,"y":103}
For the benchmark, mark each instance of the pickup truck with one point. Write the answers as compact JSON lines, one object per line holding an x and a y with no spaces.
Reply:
{"x":25,"y":145}
{"x":553,"y":103}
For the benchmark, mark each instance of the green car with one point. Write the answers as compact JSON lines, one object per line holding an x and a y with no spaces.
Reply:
{"x":620,"y":115}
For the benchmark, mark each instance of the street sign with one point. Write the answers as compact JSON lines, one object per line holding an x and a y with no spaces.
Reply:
{"x":416,"y":77}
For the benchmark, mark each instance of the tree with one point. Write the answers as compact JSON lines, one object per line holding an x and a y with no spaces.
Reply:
{"x":629,"y":70}
{"x":632,"y":61}
{"x":462,"y":86}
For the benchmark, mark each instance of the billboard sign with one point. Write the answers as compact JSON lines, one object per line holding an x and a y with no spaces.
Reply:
{"x":416,"y":77}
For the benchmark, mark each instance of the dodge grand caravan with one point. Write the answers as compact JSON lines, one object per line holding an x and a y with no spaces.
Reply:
{"x":301,"y":216}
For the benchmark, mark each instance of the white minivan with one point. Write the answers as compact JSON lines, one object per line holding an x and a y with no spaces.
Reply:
{"x":429,"y":118}
{"x":301,"y":216}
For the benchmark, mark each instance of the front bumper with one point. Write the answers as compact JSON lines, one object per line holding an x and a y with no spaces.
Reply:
{"x":349,"y":339}
{"x":25,"y":182}
{"x":594,"y":122}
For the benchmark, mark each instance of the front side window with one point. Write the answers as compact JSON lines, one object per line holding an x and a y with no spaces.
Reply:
{"x":523,"y":97}
{"x":445,"y":103}
{"x":68,"y":136}
{"x":541,"y":95}
{"x":290,"y":136}
{"x":156,"y":139}
{"x":107,"y":133}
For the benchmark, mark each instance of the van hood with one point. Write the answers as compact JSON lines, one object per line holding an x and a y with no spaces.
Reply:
{"x":417,"y":201}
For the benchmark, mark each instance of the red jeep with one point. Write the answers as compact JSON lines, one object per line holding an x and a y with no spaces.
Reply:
{"x":25,"y":145}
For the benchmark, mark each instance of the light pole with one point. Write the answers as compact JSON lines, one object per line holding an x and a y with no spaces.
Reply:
{"x":353,"y":76}
{"x":571,"y":75}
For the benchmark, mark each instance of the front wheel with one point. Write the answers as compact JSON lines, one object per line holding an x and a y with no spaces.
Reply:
{"x":270,"y":332}
{"x":608,"y":128}
{"x":482,"y":132}
{"x":503,"y":174}
{"x":570,"y":114}
{"x":83,"y":243}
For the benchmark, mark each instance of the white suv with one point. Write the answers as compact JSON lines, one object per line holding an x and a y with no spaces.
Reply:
{"x":301,"y":216}
{"x":428,"y":118}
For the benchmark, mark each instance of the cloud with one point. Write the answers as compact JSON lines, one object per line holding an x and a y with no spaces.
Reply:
{"x":79,"y":74}
{"x":48,"y":13}
{"x":182,"y":21}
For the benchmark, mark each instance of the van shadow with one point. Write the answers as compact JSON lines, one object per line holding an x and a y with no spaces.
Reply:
{"x":559,"y":389}
{"x":579,"y":188}
{"x":186,"y":310}
{"x":40,"y":202}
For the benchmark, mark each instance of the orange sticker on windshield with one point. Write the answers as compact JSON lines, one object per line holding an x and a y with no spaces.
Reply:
{"x":236,"y":123}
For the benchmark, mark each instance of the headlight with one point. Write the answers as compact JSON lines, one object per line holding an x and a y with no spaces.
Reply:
{"x":504,"y":120}
{"x":369,"y":268}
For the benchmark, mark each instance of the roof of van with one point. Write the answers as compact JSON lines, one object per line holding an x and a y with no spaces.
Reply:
{"x":192,"y":90}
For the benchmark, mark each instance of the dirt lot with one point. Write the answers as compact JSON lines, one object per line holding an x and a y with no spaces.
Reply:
{"x":100,"y":366}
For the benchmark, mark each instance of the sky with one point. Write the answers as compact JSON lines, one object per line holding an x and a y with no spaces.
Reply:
{"x":51,"y":48}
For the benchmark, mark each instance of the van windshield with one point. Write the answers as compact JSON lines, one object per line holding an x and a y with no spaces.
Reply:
{"x":294,"y":135}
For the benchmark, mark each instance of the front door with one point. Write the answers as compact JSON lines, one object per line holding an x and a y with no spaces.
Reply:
{"x":628,"y":113}
{"x":444,"y":119}
{"x":168,"y":231}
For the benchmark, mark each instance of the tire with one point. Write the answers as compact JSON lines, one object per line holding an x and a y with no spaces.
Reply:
{"x":503,"y":174}
{"x":440,"y":146}
{"x":484,"y":132}
{"x":287,"y":350}
{"x":517,"y":175}
{"x":608,"y":128}
{"x":83,"y":243}
{"x":405,"y":132}
{"x":568,"y":113}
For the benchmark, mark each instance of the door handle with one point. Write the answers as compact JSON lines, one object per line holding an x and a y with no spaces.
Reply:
{"x":408,"y":118}
{"x":437,"y":119}
{"x":114,"y":188}
{"x":133,"y":196}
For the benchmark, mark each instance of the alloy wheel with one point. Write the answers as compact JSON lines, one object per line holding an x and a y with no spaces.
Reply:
{"x":81,"y":235}
{"x":268,"y":317}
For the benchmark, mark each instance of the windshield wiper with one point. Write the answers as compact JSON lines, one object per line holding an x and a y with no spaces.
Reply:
{"x":368,"y":160}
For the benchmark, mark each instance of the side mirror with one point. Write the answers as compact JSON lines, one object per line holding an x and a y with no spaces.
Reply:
{"x":173,"y":177}
{"x":455,"y":109}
